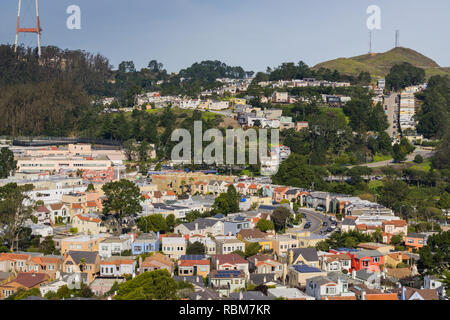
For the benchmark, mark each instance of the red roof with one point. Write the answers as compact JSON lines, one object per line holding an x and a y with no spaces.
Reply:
{"x":191,"y":263}
{"x":87,"y":218}
{"x":231,"y":258}
{"x":42,"y":209}
{"x":396,"y":223}
{"x":29,"y":280}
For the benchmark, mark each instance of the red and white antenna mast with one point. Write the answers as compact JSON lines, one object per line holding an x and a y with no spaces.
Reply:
{"x":36,"y":30}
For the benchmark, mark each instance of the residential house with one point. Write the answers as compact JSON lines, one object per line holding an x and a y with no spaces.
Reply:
{"x":323,"y":288}
{"x":174,"y":247}
{"x":82,"y":242}
{"x":263,"y":264}
{"x":279,"y":193}
{"x":157,"y":261}
{"x":227,"y":281}
{"x":370,"y":279}
{"x":145,"y":243}
{"x":193,"y":266}
{"x":88,"y":224}
{"x":415,"y":241}
{"x":46,"y":264}
{"x":230,"y":261}
{"x":367,"y":259}
{"x":363,"y":292}
{"x":282,"y":243}
{"x":335,"y":262}
{"x":288,"y":293}
{"x":117,"y":266}
{"x":306,"y":256}
{"x":232,"y":225}
{"x":82,"y":262}
{"x":24,"y":280}
{"x":407,"y":293}
{"x":229,"y":245}
{"x":59,"y":212}
{"x":114,"y":246}
{"x":299,"y":273}
{"x":201,"y":226}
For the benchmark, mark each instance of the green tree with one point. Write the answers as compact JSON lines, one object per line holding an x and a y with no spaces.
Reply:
{"x":171,"y":222}
{"x":251,"y":248}
{"x":195,"y":248}
{"x":265,"y":225}
{"x":279,"y":217}
{"x":122,"y":199}
{"x":154,"y":285}
{"x":13,"y":211}
{"x":7,"y":163}
{"x":48,"y":246}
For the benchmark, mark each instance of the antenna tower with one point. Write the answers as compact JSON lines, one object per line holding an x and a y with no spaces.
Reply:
{"x":36,"y":30}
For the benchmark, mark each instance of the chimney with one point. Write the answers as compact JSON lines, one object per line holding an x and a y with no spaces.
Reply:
{"x":196,"y":226}
{"x":241,"y":295}
{"x":353,"y":274}
{"x":140,"y":264}
{"x":403,"y":293}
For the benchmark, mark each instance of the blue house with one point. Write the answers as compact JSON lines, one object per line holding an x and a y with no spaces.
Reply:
{"x":145,"y":243}
{"x":234,"y":225}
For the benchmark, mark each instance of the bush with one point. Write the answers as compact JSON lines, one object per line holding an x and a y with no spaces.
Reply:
{"x":418,"y":159}
{"x":402,"y":265}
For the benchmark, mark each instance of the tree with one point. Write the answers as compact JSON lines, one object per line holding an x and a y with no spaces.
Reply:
{"x":130,"y":149}
{"x":170,"y":222}
{"x":48,"y":246}
{"x":403,"y":75}
{"x":195,"y":248}
{"x":279,"y":217}
{"x":418,"y":159}
{"x":122,"y":199}
{"x":153,"y":222}
{"x":227,"y":202}
{"x":397,"y":239}
{"x":251,"y":248}
{"x":378,"y":235}
{"x":90,"y":187}
{"x":153,"y":285}
{"x":13,"y":212}
{"x":239,"y":252}
{"x":7,"y":163}
{"x":434,"y":256}
{"x":265,"y":225}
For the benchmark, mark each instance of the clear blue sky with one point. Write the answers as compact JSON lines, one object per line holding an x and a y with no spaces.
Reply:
{"x":251,"y":33}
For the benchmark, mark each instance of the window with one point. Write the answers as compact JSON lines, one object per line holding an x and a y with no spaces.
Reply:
{"x":365,"y":263}
{"x":376,"y":259}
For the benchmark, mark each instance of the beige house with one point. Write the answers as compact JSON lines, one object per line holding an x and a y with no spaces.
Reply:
{"x":88,"y":224}
{"x":299,"y":274}
{"x":174,"y":247}
{"x":282,"y":243}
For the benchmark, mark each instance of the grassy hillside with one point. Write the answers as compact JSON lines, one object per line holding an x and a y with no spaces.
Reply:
{"x":379,"y":64}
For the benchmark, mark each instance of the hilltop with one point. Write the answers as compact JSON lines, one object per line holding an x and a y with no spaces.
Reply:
{"x":379,"y":64}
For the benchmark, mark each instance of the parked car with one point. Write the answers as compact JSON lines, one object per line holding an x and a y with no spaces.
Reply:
{"x":307,"y":225}
{"x":329,"y":229}
{"x":325,"y":224}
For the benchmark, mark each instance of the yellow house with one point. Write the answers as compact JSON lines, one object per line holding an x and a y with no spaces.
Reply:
{"x":266,"y":244}
{"x":305,"y":238}
{"x":239,"y":101}
{"x":88,"y":224}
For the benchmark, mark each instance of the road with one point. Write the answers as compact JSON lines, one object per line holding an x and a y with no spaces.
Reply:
{"x":424,"y":153}
{"x":391,"y":108}
{"x":316,"y":219}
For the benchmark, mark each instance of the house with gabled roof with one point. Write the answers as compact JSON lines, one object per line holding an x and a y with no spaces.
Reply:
{"x":59,"y":212}
{"x":261,"y":263}
{"x":24,"y":280}
{"x":42,"y":214}
{"x":201,"y":226}
{"x":408,"y":293}
{"x":306,"y":256}
{"x":230,"y":261}
{"x":367,"y":259}
{"x":325,"y":288}
{"x":279,"y":193}
{"x":88,"y":224}
{"x":117,"y":266}
{"x":82,"y":262}
{"x":156,"y":261}
{"x":299,"y":273}
{"x":227,"y":281}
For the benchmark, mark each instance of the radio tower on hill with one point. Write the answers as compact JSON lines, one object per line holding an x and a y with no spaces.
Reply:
{"x":397,"y":38}
{"x":36,"y":30}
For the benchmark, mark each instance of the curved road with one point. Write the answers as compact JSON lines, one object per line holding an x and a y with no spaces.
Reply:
{"x":316,"y":219}
{"x":423,"y":152}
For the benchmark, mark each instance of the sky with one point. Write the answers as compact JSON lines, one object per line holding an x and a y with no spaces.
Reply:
{"x":253,"y":34}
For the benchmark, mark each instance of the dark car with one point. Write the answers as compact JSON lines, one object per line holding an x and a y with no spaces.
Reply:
{"x":329,"y":229}
{"x":325,"y":224}
{"x":307,"y":225}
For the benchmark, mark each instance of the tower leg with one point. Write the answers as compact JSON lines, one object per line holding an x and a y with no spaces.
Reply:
{"x":18,"y":26}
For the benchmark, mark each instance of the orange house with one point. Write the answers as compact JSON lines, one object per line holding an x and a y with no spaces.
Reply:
{"x":415,"y":241}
